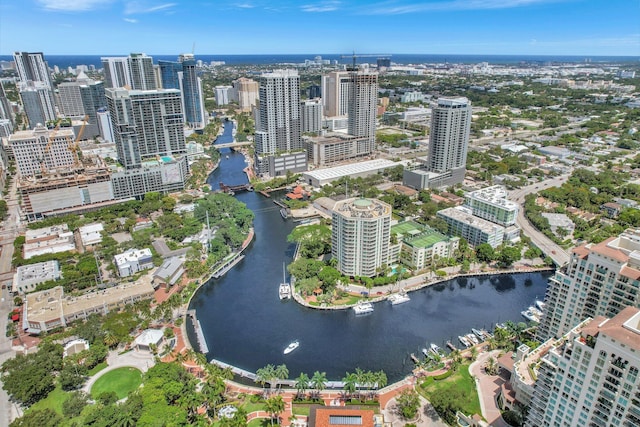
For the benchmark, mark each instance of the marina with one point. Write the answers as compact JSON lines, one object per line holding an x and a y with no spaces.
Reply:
{"x":202,"y":342}
{"x":238,"y":310}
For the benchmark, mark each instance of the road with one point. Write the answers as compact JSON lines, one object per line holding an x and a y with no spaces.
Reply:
{"x":11,"y":227}
{"x":546,"y":245}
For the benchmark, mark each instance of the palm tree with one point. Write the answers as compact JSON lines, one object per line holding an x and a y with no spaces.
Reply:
{"x":350,"y":381}
{"x":281,"y":373}
{"x":266,"y":375}
{"x":369,"y":380}
{"x":381,"y":379}
{"x":213,"y":393}
{"x":274,"y":406}
{"x":456,"y":359}
{"x":319,"y":381}
{"x":110,"y":340}
{"x":302,"y":383}
{"x":359,"y":380}
{"x":491,"y":367}
{"x":473,"y":352}
{"x":201,"y":359}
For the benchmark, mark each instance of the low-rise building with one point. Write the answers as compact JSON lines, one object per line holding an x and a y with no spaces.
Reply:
{"x":48,"y":240}
{"x":91,"y":234}
{"x":473,"y":229}
{"x":148,"y":339}
{"x":169,"y":272}
{"x":27,"y":277}
{"x":420,"y":245}
{"x":50,"y":309}
{"x":321,"y":177}
{"x":133,"y":261}
{"x":611,"y":209}
{"x":337,"y":416}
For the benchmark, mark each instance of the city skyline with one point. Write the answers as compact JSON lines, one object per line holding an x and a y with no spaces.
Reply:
{"x":492,"y":27}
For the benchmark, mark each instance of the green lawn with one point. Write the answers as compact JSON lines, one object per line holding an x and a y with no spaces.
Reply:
{"x":54,"y":401}
{"x":121,"y":381}
{"x":461,"y":381}
{"x":252,"y":407}
{"x":99,"y":367}
{"x":260,"y":422}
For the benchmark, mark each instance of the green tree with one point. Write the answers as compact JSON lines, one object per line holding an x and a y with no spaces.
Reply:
{"x":509,"y":255}
{"x":408,"y":403}
{"x":274,"y":406}
{"x":41,"y":418}
{"x":319,"y":381}
{"x":350,"y":381}
{"x":302,"y":383}
{"x":447,"y":403}
{"x":75,"y":403}
{"x":485,"y":252}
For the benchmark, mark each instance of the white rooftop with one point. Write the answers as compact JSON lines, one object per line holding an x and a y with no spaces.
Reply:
{"x":149,"y":336}
{"x":350,"y":169}
{"x":464,"y":215}
{"x":495,"y":195}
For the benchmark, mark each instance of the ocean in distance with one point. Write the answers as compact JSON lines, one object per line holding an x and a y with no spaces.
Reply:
{"x":64,"y":61}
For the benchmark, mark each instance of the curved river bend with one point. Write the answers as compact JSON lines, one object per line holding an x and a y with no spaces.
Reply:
{"x":247,"y":326}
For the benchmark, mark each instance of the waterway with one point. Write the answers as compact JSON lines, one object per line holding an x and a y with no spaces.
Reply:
{"x":246,"y":325}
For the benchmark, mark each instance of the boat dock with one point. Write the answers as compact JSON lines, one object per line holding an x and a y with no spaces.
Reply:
{"x":282,"y":205}
{"x":202,"y":342}
{"x":236,"y":371}
{"x":226,"y":267}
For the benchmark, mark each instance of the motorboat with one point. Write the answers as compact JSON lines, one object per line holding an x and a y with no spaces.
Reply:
{"x":465,"y":342}
{"x":434,"y":348}
{"x":295,"y":344}
{"x":477,"y":333}
{"x":398,"y":298}
{"x":474,"y":340}
{"x":284,"y":291}
{"x":363,"y":307}
{"x":425,"y":352}
{"x":540,"y":304}
{"x":530,"y":315}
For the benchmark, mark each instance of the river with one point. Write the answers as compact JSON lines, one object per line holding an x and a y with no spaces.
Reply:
{"x":246,"y":325}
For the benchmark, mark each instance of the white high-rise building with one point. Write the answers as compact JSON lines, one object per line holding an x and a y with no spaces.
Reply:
{"x":38,"y":102}
{"x":105,"y":126}
{"x":31,"y":66}
{"x":147,"y":124}
{"x":599,"y":280}
{"x":449,"y":139}
{"x":134,"y":72}
{"x":311,"y":110}
{"x":224,"y":94}
{"x":590,"y":377}
{"x":116,"y":71}
{"x":278,"y":138}
{"x":363,"y":107}
{"x":360,"y":235}
{"x":491,"y":203}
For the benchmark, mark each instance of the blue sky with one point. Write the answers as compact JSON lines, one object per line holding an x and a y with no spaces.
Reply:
{"x":536,"y":27}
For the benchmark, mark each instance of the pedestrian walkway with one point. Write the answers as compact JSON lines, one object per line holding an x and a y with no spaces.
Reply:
{"x":488,"y":387}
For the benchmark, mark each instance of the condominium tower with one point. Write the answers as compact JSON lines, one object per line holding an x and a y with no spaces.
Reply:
{"x":247,"y":91}
{"x":146,"y":124}
{"x":182,"y":75}
{"x":590,"y":377}
{"x":363,"y":104}
{"x":279,"y":147}
{"x":335,"y":93}
{"x":31,"y":66}
{"x":360,"y":236}
{"x":599,"y":280}
{"x":134,"y":72}
{"x":449,"y":139}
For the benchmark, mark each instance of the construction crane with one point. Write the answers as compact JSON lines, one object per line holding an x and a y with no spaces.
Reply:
{"x":354,"y":57}
{"x":74,"y":145}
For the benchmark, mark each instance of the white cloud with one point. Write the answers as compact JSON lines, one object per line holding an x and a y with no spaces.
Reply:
{"x":137,"y":7}
{"x":244,"y":6}
{"x":72,"y":5}
{"x":131,"y":21}
{"x":327,"y":6}
{"x":397,"y":8}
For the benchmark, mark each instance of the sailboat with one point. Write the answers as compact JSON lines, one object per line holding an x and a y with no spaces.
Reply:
{"x":285,"y":288}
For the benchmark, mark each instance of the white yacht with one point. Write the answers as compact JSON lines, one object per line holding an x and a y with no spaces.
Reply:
{"x":398,"y":298}
{"x":363,"y":307}
{"x":285,"y":288}
{"x":530,"y":315}
{"x":291,"y":347}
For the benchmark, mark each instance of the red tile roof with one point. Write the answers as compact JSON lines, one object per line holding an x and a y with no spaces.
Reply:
{"x":320,"y":417}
